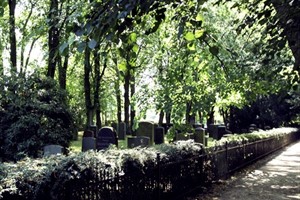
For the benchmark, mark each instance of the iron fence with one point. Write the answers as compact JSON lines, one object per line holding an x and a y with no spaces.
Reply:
{"x":166,"y":180}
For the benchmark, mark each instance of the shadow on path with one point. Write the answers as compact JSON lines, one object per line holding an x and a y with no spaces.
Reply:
{"x":277,"y":177}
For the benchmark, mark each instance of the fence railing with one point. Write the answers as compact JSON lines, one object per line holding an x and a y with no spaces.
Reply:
{"x":166,"y":180}
{"x":172,"y":180}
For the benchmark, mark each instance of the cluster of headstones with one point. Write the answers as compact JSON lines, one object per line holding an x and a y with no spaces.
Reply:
{"x":147,"y":134}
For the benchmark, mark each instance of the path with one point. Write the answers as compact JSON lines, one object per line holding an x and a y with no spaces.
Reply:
{"x":276,"y":177}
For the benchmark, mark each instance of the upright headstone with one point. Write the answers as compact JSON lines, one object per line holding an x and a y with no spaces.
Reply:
{"x":88,"y":133}
{"x":121,"y":130}
{"x":146,"y":129}
{"x":88,"y":143}
{"x":52,"y":150}
{"x":93,"y":128}
{"x":105,"y":137}
{"x":135,"y":141}
{"x":200,"y":136}
{"x":212,"y":130}
{"x":159,"y":135}
{"x":221,"y":132}
{"x":184,"y":136}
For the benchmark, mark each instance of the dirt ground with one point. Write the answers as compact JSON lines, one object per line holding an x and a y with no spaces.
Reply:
{"x":276,"y":177}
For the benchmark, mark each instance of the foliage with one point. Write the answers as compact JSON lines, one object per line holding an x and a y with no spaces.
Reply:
{"x":48,"y":177}
{"x":238,"y":139}
{"x":33,"y":114}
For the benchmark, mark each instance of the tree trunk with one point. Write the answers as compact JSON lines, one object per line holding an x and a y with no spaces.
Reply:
{"x":53,"y":38}
{"x":126,"y":98}
{"x":97,"y":86}
{"x":87,"y":88}
{"x":210,"y":119}
{"x":12,"y":36}
{"x":132,"y":109}
{"x":161,"y":118}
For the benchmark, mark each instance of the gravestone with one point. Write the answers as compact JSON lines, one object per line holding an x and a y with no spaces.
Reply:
{"x":200,"y":136}
{"x":135,"y":141}
{"x":221,"y":131}
{"x":52,"y":150}
{"x":93,"y":128}
{"x":252,"y":128}
{"x":88,"y":133}
{"x":146,"y":129}
{"x":121,"y":130}
{"x":105,"y":137}
{"x":88,"y":143}
{"x":212,"y":130}
{"x":159,"y":135}
{"x":184,"y":136}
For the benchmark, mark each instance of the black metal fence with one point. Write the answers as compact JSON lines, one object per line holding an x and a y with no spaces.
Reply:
{"x":173,"y":180}
{"x":167,"y":180}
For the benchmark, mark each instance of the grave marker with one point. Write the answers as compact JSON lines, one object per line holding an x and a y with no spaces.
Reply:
{"x":105,"y":137}
{"x":159,"y":135}
{"x":135,"y":141}
{"x":146,"y":129}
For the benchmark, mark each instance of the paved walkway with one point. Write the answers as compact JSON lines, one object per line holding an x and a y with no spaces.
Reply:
{"x":275,"y":178}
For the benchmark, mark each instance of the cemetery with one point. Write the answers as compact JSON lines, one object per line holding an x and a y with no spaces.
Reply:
{"x":149,"y":99}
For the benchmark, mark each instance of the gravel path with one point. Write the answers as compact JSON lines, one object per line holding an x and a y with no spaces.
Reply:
{"x":277,"y":177}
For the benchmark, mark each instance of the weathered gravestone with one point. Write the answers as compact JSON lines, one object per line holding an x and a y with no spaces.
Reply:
{"x":93,"y":128}
{"x":88,"y":143}
{"x":52,"y":150}
{"x":184,"y":136}
{"x":122,"y":130}
{"x":88,"y":133}
{"x":159,"y":135}
{"x":135,"y":141}
{"x":105,"y":137}
{"x":146,"y":129}
{"x":200,"y":136}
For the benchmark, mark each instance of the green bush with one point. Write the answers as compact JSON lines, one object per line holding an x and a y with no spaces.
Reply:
{"x":33,"y":113}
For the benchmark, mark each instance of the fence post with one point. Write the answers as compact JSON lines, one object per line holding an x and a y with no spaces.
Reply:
{"x":158,"y":175}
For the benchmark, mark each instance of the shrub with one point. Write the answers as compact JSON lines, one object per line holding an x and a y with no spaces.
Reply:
{"x":33,"y":113}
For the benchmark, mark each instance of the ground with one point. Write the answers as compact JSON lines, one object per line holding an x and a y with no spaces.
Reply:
{"x":276,"y":177}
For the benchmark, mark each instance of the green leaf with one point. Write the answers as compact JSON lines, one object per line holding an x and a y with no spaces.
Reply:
{"x":63,"y":47}
{"x":199,"y":33}
{"x":191,"y":46}
{"x":189,"y":36}
{"x":132,"y":37}
{"x":135,"y":48}
{"x":199,"y":18}
{"x":122,"y":66}
{"x":81,"y":46}
{"x":214,"y":50}
{"x":92,"y":44}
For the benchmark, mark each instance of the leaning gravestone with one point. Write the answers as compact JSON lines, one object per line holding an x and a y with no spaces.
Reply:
{"x":159,"y":135}
{"x":146,"y":129}
{"x":105,"y":137}
{"x":52,"y":150}
{"x":135,"y":141}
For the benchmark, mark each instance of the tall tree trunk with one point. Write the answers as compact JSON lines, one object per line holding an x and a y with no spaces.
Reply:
{"x":87,"y":88}
{"x":211,"y":119}
{"x":12,"y":36}
{"x":53,"y":38}
{"x":189,"y":116}
{"x":132,"y":109}
{"x":127,"y":78}
{"x":97,"y":86}
{"x":168,"y":117}
{"x":118,"y":92}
